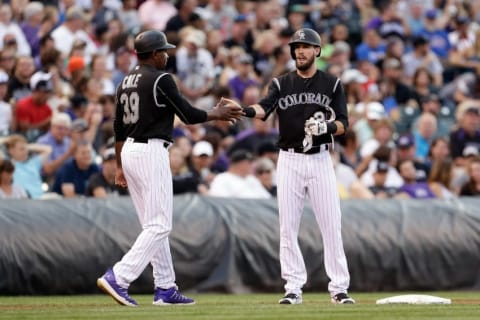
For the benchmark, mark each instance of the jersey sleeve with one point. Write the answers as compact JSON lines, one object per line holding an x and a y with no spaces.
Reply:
{"x":269,"y":102}
{"x":118,"y":127}
{"x":339,"y":103}
{"x":168,"y":91}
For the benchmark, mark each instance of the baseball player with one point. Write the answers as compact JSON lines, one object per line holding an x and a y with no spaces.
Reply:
{"x":147,"y":100}
{"x":311,"y":109}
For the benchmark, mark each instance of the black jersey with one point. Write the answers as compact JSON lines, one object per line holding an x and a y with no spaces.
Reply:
{"x":146,"y":101}
{"x":296,"y":99}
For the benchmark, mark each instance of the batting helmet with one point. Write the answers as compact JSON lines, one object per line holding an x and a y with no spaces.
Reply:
{"x":305,"y":35}
{"x":151,"y":40}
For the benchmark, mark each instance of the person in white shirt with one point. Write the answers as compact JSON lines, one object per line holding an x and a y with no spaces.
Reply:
{"x":65,"y":35}
{"x":6,"y":114}
{"x":238,"y":181}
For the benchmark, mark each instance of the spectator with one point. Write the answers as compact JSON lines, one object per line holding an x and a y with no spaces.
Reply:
{"x":10,"y":28}
{"x":411,"y":187}
{"x":372,"y":48}
{"x":185,"y":10}
{"x":8,"y":190}
{"x":129,"y":16}
{"x":436,"y":34}
{"x":154,"y":14}
{"x":71,"y":178}
{"x":390,"y":24}
{"x":439,"y":149}
{"x":406,"y":151}
{"x":440,"y":179}
{"x":348,"y":184}
{"x":7,"y":60}
{"x":472,"y":187}
{"x":33,"y":114}
{"x":202,"y":158}
{"x":100,"y":75}
{"x":184,"y":180}
{"x":241,"y":35}
{"x":424,"y":133}
{"x":369,"y":165}
{"x":264,"y":169}
{"x":31,"y":26}
{"x":221,"y":16}
{"x":382,"y":136}
{"x":123,"y":63}
{"x":19,"y":82}
{"x":102,"y":184}
{"x":379,"y":187}
{"x":7,"y":122}
{"x":28,"y":168}
{"x":349,"y":153}
{"x":244,"y":78}
{"x":195,"y":66}
{"x":73,"y":29}
{"x":251,"y":139}
{"x":238,"y":181}
{"x":422,"y":55}
{"x":468,"y":132}
{"x":364,"y":127}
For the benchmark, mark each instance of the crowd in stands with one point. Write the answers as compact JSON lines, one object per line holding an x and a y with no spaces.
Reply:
{"x":410,"y":69}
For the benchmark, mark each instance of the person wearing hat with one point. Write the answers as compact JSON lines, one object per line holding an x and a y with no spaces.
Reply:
{"x":102,"y":184}
{"x":6,"y":114}
{"x":264,"y":170}
{"x":245,"y":76}
{"x":438,"y":37}
{"x":195,"y":67}
{"x":33,"y":114}
{"x":379,"y":187}
{"x":468,"y":132}
{"x":238,"y":181}
{"x":406,"y":151}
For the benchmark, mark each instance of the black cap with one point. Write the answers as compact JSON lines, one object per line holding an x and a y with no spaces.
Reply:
{"x":419,"y":41}
{"x":382,"y":166}
{"x":240,"y":155}
{"x":405,"y":141}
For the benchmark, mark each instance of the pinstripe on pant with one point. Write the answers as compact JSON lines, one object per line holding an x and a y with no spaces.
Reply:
{"x":298,"y":176}
{"x":147,"y":170}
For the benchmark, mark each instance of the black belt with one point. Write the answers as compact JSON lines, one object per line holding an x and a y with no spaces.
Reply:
{"x":313,"y":150}
{"x":145,"y":140}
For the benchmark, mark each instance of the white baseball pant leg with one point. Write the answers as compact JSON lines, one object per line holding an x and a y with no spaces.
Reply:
{"x":291,"y":195}
{"x":297,"y":176}
{"x":323,"y":194}
{"x":147,"y":170}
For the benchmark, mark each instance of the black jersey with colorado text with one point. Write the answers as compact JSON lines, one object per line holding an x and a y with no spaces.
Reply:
{"x":146,"y":101}
{"x":296,"y":99}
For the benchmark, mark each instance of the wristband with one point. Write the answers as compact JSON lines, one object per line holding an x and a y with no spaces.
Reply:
{"x":249,"y":112}
{"x":332,"y":127}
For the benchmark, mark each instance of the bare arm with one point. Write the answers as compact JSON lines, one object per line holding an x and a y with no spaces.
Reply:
{"x":42,"y":150}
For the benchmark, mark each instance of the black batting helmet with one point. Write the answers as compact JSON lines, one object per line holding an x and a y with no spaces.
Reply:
{"x":305,"y":35}
{"x":151,"y":40}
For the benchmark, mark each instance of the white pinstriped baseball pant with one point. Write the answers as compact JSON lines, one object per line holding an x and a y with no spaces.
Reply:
{"x":147,"y":170}
{"x":300,"y":175}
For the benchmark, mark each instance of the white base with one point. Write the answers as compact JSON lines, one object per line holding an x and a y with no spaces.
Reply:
{"x":414,"y":299}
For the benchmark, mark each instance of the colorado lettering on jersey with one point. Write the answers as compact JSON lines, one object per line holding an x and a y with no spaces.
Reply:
{"x":304,"y":98}
{"x":131,"y":81}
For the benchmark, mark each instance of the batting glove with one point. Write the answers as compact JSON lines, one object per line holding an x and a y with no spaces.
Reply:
{"x":316,"y":127}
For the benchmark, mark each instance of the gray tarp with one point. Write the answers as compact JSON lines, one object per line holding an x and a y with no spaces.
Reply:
{"x":231,"y":245}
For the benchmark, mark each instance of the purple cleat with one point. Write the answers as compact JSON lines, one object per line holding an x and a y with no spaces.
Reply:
{"x":170,"y":296}
{"x":109,"y":285}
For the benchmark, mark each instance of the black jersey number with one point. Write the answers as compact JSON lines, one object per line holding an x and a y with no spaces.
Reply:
{"x":130,"y":103}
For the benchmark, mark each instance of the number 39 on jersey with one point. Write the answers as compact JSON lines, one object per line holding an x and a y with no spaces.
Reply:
{"x":130,"y":103}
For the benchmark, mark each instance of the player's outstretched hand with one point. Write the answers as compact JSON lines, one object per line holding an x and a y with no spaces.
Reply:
{"x":227,"y":110}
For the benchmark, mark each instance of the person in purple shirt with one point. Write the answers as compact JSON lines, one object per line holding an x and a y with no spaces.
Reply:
{"x":411,"y":188}
{"x":244,"y":78}
{"x":33,"y":14}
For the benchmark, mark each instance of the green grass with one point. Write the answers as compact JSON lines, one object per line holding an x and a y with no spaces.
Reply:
{"x":465,"y":305}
